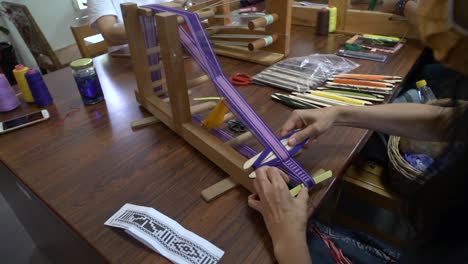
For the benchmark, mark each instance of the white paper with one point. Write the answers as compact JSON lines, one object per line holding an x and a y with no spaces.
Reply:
{"x":164,"y":235}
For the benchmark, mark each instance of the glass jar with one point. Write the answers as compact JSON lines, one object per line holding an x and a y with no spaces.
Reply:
{"x":87,"y":81}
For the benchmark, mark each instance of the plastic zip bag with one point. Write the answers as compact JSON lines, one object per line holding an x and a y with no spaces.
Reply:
{"x":300,"y":74}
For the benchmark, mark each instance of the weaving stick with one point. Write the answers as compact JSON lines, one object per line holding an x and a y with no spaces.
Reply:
{"x":263,"y":42}
{"x":263,"y":21}
{"x":276,"y":20}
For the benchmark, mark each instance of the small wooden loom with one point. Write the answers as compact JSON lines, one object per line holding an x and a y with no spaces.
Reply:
{"x":175,"y":111}
{"x":267,"y":36}
{"x":357,"y":21}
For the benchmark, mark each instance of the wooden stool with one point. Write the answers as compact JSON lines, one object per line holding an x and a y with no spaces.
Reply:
{"x":88,"y":50}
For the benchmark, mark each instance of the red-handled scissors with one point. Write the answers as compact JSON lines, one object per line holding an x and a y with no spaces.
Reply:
{"x":241,"y":79}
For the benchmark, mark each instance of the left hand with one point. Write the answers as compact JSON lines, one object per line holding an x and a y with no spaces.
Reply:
{"x":285,"y":216}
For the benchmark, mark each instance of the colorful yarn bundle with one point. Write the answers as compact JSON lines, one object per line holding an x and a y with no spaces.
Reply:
{"x":39,"y":89}
{"x":8,"y":99}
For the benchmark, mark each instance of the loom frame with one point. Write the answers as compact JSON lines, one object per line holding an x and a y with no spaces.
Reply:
{"x":177,"y":112}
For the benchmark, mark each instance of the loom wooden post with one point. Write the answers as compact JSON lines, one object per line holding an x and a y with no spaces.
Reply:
{"x":223,"y":9}
{"x":342,"y":7}
{"x":261,"y":22}
{"x":134,"y":31}
{"x":282,"y":27}
{"x":174,"y":69}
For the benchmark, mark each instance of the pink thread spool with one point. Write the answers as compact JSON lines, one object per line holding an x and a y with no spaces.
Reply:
{"x":8,"y":99}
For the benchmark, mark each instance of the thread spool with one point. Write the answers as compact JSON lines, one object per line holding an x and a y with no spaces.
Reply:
{"x":19,"y":72}
{"x":8,"y":99}
{"x":333,"y":16}
{"x":262,"y":21}
{"x":263,"y":42}
{"x":38,"y":88}
{"x":323,"y":20}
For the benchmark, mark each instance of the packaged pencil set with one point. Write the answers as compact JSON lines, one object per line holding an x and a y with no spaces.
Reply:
{"x":343,"y":89}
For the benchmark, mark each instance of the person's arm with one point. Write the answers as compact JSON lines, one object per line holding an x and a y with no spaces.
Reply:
{"x":112,"y":32}
{"x":285,"y":216}
{"x":417,"y":121}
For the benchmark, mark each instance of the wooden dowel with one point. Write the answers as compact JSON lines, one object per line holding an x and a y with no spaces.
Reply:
{"x":196,"y":109}
{"x":144,"y":122}
{"x":263,"y":42}
{"x":158,"y":83}
{"x":161,"y":92}
{"x":202,"y":15}
{"x":153,"y":50}
{"x":262,"y":21}
{"x":197,"y":81}
{"x":228,"y":117}
{"x":155,"y":67}
{"x":240,"y":139}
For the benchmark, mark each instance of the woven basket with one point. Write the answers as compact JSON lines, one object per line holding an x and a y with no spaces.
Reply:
{"x":402,"y":177}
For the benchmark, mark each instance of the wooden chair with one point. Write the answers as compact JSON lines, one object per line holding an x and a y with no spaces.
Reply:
{"x":364,"y":181}
{"x":33,"y":36}
{"x":88,"y":50}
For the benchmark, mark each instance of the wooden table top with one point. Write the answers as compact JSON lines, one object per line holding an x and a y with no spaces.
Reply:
{"x":86,"y":162}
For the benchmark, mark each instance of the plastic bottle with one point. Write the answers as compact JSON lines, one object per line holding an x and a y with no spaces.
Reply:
{"x":425,"y":93}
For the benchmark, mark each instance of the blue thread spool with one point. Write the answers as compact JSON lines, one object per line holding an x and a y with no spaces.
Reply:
{"x":38,"y":87}
{"x":87,"y":81}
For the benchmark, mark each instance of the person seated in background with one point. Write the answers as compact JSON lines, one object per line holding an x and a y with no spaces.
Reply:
{"x":435,"y":210}
{"x":106,"y":17}
{"x":406,"y":8}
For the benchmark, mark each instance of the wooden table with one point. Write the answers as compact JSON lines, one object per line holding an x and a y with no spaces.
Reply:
{"x":87,"y":164}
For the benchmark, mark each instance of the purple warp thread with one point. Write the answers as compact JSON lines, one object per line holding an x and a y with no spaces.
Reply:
{"x":151,"y":41}
{"x":198,"y":45}
{"x":39,"y":89}
{"x":8,"y":99}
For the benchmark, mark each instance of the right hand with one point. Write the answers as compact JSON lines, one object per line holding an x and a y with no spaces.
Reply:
{"x":312,"y":122}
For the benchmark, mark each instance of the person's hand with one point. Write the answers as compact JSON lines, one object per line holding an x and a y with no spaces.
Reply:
{"x":285,"y":216}
{"x":313,"y":123}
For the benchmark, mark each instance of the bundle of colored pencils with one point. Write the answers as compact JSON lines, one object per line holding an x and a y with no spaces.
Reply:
{"x":343,"y":89}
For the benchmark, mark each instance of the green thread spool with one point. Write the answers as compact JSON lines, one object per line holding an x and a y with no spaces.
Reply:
{"x":333,"y":13}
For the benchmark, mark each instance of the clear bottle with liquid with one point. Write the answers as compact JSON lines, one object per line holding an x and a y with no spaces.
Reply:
{"x":425,"y":92}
